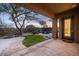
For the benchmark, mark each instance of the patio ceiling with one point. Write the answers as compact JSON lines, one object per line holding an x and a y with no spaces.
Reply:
{"x":49,"y":9}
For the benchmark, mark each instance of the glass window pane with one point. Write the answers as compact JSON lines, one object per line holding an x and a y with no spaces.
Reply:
{"x":67,"y":27}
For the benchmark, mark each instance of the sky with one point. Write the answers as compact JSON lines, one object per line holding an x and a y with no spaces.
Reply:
{"x":5,"y":18}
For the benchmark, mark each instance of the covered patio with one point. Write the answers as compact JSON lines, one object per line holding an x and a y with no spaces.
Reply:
{"x":64,"y":18}
{"x":65,"y":29}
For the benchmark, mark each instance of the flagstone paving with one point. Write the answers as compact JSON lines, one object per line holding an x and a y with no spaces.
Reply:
{"x":51,"y":47}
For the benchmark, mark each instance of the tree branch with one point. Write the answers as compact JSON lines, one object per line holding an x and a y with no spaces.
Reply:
{"x":23,"y":22}
{"x":18,"y":15}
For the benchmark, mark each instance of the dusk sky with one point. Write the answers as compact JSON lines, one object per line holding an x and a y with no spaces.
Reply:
{"x":5,"y":18}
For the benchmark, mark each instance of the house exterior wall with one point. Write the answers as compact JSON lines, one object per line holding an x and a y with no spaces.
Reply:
{"x":75,"y":13}
{"x":76,"y":25}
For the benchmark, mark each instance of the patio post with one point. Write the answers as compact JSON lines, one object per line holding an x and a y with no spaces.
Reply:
{"x":54,"y":28}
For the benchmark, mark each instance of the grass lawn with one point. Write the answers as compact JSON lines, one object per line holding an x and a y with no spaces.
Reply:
{"x":32,"y":39}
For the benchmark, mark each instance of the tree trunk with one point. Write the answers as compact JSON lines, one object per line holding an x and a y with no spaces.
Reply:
{"x":20,"y":32}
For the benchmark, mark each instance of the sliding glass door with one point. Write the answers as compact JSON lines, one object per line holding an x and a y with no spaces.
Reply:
{"x":67,"y":27}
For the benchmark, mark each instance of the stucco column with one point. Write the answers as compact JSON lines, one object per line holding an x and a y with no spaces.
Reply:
{"x":54,"y":28}
{"x":60,"y":28}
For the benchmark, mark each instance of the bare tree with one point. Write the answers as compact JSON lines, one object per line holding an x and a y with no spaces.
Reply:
{"x":18,"y":15}
{"x":43,"y":23}
{"x":2,"y":24}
